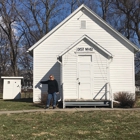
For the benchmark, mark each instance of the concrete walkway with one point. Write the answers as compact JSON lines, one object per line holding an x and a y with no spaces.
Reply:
{"x":68,"y":110}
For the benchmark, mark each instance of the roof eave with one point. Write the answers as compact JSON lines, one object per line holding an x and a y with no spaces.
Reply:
{"x":57,"y":27}
{"x":110,"y":27}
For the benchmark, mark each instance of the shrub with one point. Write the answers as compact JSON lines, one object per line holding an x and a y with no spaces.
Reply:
{"x":137,"y":93}
{"x":126,"y":99}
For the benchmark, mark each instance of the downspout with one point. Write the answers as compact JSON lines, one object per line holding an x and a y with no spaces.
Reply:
{"x":112,"y":100}
{"x":110,"y":89}
{"x":61,"y":75}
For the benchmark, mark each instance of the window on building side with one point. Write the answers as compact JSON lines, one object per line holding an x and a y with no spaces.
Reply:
{"x":83,"y":24}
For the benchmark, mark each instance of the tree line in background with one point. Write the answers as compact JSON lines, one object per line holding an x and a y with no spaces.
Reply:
{"x":24,"y":22}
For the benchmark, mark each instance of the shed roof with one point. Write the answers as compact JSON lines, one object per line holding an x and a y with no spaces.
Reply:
{"x":12,"y":77}
{"x":83,"y":7}
{"x":90,"y":40}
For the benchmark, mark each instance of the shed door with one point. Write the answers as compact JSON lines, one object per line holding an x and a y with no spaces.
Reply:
{"x":11,"y":89}
{"x":16,"y":89}
{"x":85,"y":76}
{"x":8,"y":89}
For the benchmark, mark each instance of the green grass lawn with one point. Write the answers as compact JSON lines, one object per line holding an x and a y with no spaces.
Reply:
{"x":137,"y":105}
{"x":22,"y":104}
{"x":95,"y":125}
{"x":25,"y":103}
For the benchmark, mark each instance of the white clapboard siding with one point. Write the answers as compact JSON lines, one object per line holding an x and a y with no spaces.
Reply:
{"x":100,"y":75}
{"x":122,"y":74}
{"x":45,"y":54}
{"x":70,"y":74}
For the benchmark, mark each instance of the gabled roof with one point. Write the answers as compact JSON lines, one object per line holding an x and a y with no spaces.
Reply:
{"x":83,"y":7}
{"x":91,"y":41}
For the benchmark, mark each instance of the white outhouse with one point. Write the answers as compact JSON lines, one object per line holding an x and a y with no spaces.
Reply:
{"x":90,"y":60}
{"x":11,"y":87}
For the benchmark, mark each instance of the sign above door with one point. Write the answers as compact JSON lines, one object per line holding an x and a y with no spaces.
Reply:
{"x":82,"y":49}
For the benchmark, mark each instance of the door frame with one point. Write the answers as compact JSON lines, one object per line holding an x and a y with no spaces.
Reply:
{"x":92,"y":68}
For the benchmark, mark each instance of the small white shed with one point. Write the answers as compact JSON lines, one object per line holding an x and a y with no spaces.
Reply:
{"x":11,"y":87}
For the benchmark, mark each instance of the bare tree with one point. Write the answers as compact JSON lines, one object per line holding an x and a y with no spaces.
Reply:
{"x":128,"y":22}
{"x":25,"y":64}
{"x":73,"y":4}
{"x":105,"y":8}
{"x":23,"y":23}
{"x":8,"y":25}
{"x":128,"y":12}
{"x":4,"y":61}
{"x":38,"y":18}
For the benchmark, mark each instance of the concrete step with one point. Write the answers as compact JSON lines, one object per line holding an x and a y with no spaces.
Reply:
{"x":88,"y":103}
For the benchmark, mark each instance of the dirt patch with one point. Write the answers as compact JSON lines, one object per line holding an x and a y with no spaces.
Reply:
{"x":83,"y":132}
{"x":108,"y":121}
{"x":43,"y":133}
{"x":46,"y":112}
{"x":98,"y":132}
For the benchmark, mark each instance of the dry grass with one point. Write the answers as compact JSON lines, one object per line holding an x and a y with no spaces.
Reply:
{"x":25,"y":103}
{"x":95,"y":125}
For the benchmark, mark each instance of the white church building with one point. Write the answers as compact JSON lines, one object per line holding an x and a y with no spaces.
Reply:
{"x":90,"y":60}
